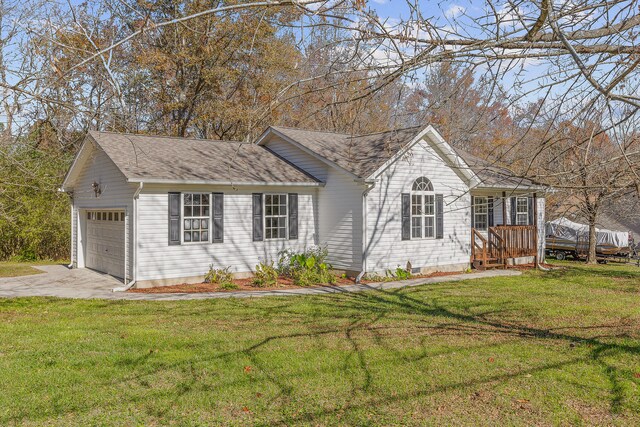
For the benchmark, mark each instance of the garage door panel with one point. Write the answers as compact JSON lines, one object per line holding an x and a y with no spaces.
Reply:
{"x":105,"y":242}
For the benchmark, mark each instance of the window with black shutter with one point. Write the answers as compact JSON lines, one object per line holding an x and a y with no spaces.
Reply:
{"x":406,"y":216}
{"x":174,"y":218}
{"x":293,"y":216}
{"x":258,"y":232}
{"x":217,"y":217}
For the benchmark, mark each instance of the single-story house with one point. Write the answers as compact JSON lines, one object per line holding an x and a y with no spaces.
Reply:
{"x":155,"y":210}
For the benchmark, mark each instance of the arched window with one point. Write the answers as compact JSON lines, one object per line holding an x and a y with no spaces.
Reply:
{"x":423,"y":209}
{"x":422,"y":184}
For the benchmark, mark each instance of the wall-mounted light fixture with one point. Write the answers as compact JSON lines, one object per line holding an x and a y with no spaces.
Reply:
{"x":97,"y":190}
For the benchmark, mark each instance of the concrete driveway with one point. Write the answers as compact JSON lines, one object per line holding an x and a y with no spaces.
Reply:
{"x":59,"y":281}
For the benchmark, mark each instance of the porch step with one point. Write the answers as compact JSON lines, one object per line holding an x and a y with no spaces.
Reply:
{"x":491,"y":263}
{"x":494,"y":265}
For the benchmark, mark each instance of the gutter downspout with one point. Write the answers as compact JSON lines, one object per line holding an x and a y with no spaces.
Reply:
{"x":364,"y":231}
{"x":135,"y":243}
{"x":74,"y":232}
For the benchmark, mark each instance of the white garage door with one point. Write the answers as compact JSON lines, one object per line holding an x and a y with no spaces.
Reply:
{"x":105,"y":242}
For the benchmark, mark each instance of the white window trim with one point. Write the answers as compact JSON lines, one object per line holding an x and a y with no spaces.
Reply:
{"x":264,"y":217}
{"x":423,"y":215}
{"x":485,"y":203}
{"x":525,"y":213}
{"x":182,"y":218}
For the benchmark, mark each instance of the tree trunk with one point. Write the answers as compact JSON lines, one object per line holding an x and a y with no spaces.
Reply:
{"x":591,"y":254}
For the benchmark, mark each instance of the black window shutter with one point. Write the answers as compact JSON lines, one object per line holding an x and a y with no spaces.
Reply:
{"x":473,"y":212}
{"x":293,"y":216}
{"x":217,"y":214}
{"x":174,"y":218}
{"x":439,"y":216}
{"x":406,"y":216}
{"x":490,"y":211}
{"x":513,"y":210}
{"x":257,"y":217}
{"x":530,"y":209}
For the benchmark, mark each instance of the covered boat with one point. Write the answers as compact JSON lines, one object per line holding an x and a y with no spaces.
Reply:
{"x":565,"y":237}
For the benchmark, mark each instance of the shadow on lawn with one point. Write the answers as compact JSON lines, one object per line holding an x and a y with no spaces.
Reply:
{"x":384,"y":303}
{"x":373,"y":307}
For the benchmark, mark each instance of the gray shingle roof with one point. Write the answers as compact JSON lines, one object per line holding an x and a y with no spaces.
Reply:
{"x":359,"y":154}
{"x":493,"y":175}
{"x":364,"y":154}
{"x":143,"y":157}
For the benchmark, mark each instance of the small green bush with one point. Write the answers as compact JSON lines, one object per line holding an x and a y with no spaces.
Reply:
{"x":306,"y":268}
{"x":228,"y":286}
{"x":402,"y":274}
{"x":221,"y":276}
{"x":265,"y":275}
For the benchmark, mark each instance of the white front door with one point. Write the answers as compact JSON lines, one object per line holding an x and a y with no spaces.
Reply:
{"x":105,"y":242}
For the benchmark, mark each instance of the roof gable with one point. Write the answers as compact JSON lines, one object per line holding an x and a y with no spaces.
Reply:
{"x":442,"y":148}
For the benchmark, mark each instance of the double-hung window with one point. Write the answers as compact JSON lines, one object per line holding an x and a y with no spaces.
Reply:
{"x":522,"y":211}
{"x":275,"y":216}
{"x":196,"y":217}
{"x":423,"y":209}
{"x":480,"y":212}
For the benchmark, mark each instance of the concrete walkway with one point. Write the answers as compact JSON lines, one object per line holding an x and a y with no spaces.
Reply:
{"x":59,"y":281}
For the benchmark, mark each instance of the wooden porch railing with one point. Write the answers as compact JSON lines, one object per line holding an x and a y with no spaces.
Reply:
{"x":478,"y":250}
{"x":519,"y":240}
{"x":501,"y":243}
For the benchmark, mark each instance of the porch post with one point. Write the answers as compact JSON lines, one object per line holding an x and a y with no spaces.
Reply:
{"x":535,"y":231}
{"x":504,"y":208}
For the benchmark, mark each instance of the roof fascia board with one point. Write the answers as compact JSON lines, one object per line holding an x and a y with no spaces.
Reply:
{"x":73,"y":169}
{"x":225,"y":183}
{"x":515,"y":187}
{"x":262,"y":141}
{"x":443,"y":149}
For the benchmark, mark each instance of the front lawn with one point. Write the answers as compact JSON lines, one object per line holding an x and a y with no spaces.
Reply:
{"x":543,"y":348}
{"x":14,"y":269}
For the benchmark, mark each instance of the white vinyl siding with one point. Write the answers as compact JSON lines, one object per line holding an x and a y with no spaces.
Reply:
{"x":299,"y":158}
{"x":158,"y":260}
{"x":339,"y":208}
{"x":386,"y":249}
{"x":116,"y":193}
{"x":341,"y":220}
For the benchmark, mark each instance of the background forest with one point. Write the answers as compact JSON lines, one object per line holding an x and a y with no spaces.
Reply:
{"x":174,"y":67}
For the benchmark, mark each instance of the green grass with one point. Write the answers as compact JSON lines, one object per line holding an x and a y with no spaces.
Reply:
{"x":14,"y":269}
{"x":558,"y":348}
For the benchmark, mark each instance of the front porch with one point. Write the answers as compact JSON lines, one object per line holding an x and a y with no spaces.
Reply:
{"x":504,"y":229}
{"x":502,"y":244}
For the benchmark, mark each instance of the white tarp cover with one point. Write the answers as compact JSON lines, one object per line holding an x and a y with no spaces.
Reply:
{"x":566,"y":229}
